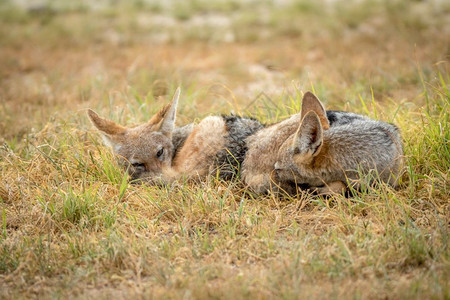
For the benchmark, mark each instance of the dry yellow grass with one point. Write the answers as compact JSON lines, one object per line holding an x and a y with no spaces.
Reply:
{"x":71,"y":226}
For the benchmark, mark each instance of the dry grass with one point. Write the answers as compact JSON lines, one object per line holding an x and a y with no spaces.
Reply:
{"x":71,"y":226}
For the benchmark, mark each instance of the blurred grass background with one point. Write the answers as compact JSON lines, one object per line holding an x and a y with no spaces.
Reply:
{"x":61,"y":56}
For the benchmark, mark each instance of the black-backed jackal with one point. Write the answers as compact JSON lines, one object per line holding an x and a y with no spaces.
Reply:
{"x":319,"y":150}
{"x":324,"y":151}
{"x":159,"y":152}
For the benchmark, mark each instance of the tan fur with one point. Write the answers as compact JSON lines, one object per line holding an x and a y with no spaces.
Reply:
{"x":198,"y":154}
{"x":138,"y":148}
{"x":158,"y":117}
{"x":323,"y":158}
{"x":262,"y":153}
{"x":335,"y":187}
{"x":145,"y":150}
{"x":263,"y":147}
{"x":311,"y":103}
{"x":107,"y":126}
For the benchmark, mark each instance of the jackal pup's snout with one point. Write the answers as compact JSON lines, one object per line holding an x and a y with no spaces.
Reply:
{"x":146,"y":150}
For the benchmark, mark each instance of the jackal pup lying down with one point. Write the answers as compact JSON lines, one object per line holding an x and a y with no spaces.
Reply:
{"x":158,"y":152}
{"x":316,"y":149}
{"x":322,"y":151}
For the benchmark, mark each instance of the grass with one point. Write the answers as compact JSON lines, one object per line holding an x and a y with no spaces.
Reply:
{"x":71,"y":224}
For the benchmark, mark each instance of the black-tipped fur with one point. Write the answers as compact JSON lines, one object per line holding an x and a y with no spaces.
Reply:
{"x":231,"y":157}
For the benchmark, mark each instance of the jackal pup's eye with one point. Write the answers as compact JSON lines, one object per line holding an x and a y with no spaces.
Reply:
{"x":160,"y":153}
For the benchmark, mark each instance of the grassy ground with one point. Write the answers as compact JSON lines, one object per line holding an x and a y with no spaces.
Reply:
{"x":71,"y":226}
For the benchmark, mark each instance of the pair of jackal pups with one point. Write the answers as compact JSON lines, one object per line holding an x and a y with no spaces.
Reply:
{"x":317,"y":150}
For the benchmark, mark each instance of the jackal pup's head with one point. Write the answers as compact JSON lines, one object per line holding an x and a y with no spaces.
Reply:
{"x":302,"y":151}
{"x":145,"y":150}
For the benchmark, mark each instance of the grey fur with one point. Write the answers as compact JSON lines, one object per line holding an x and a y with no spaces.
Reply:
{"x":287,"y":157}
{"x":337,"y":118}
{"x":180,"y":135}
{"x":358,"y":146}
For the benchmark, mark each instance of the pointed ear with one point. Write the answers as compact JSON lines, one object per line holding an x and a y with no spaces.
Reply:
{"x":104,"y":125}
{"x":309,"y":137}
{"x":166,"y":116}
{"x":110,"y":130}
{"x":311,"y":103}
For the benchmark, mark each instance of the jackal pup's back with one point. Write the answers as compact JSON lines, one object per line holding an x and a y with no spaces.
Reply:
{"x":322,"y":150}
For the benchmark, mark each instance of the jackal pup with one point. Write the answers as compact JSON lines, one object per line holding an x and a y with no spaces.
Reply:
{"x":158,"y":152}
{"x":324,"y":151}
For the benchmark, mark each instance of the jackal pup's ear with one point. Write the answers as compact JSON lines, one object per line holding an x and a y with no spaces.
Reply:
{"x":111,"y":132}
{"x":164,"y":120}
{"x":311,"y":103}
{"x":309,"y":137}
